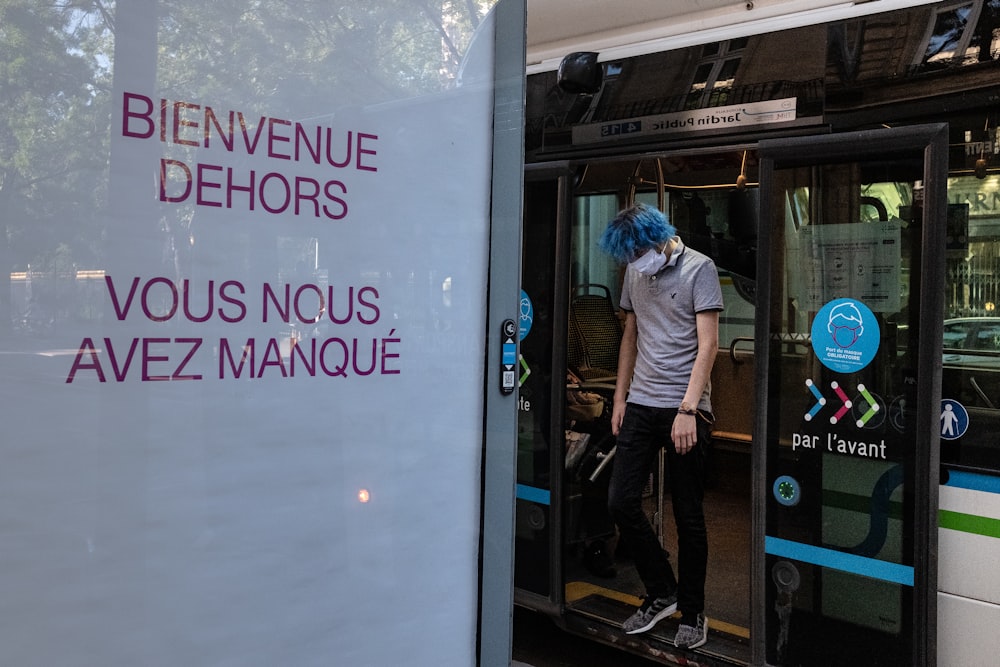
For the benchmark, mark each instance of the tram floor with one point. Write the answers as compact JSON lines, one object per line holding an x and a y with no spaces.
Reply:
{"x":727,"y":516}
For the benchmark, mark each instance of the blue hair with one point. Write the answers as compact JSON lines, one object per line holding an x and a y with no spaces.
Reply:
{"x":635,"y":229}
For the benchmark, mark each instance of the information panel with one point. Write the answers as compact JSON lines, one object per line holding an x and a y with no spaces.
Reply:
{"x":242,"y":332}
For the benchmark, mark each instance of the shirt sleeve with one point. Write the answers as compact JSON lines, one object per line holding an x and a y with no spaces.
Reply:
{"x":707,"y":289}
{"x":625,"y":302}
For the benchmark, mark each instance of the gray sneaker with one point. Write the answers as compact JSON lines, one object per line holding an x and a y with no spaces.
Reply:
{"x":652,"y":611}
{"x":689,"y":636}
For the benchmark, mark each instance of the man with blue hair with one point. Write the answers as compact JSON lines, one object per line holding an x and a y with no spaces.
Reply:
{"x":671,"y":298}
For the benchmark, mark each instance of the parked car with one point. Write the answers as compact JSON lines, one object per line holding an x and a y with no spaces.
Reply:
{"x":972,"y":342}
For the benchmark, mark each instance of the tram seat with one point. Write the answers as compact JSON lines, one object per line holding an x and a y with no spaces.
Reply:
{"x":595,"y":334}
{"x":589,"y":448}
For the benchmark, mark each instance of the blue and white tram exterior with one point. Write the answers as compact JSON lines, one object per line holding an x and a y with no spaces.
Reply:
{"x":875,"y":65}
{"x":969,"y":588}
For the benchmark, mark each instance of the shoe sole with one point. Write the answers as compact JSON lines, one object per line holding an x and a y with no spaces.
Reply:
{"x":668,"y":611}
{"x":700,"y":642}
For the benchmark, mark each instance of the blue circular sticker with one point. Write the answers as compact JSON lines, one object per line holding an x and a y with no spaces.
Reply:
{"x":786,"y":491}
{"x":954,"y":419}
{"x":845,"y":335}
{"x":527,"y":315}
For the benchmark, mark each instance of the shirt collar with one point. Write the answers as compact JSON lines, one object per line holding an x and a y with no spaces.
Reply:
{"x":678,"y":251}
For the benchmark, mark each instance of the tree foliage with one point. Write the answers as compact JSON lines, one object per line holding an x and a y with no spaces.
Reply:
{"x":309,"y":57}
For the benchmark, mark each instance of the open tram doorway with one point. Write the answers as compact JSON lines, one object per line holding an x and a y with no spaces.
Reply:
{"x":839,"y":537}
{"x":569,"y":557}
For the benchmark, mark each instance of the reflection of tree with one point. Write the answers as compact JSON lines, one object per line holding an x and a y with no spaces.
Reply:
{"x":293,"y":59}
{"x":51,"y":135}
{"x":307,"y":54}
{"x":304,"y":60}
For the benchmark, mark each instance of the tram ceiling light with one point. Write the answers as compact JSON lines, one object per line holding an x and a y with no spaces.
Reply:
{"x":678,"y":30}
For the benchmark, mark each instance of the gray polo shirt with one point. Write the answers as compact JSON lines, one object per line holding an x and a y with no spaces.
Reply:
{"x":665,"y":306}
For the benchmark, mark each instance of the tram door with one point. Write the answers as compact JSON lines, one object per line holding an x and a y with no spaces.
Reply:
{"x":848,"y":406}
{"x":568,"y":560}
{"x":537,"y":566}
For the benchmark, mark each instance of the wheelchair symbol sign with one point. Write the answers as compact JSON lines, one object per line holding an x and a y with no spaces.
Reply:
{"x":954,"y":419}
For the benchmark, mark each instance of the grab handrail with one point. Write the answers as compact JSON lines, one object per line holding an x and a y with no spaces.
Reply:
{"x":732,"y":347}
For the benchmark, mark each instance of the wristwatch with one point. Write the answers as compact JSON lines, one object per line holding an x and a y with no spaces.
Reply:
{"x":686,"y":409}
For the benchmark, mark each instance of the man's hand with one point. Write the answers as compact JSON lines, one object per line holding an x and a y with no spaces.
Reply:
{"x":617,"y":415}
{"x":684,"y":432}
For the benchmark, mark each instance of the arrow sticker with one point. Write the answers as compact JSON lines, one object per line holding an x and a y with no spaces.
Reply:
{"x":820,"y":401}
{"x":845,"y":408}
{"x":873,"y":407}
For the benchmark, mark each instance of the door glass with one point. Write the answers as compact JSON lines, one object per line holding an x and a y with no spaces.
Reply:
{"x":843,"y":326}
{"x":588,"y":265}
{"x":970,"y":373}
{"x":533,"y":524}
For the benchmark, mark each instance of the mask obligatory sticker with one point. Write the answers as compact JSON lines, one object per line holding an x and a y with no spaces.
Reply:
{"x":845,"y":335}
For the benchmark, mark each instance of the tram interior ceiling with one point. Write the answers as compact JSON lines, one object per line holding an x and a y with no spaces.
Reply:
{"x":711,"y":198}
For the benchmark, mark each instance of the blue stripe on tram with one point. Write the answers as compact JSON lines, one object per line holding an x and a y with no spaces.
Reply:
{"x":839,"y":560}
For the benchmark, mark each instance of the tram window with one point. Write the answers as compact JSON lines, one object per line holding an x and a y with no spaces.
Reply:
{"x":698,"y":85}
{"x":722,"y":225}
{"x":971,"y":346}
{"x":985,"y":42}
{"x":797,"y":207}
{"x":738,"y":43}
{"x":949,"y":34}
{"x":724,"y":82}
{"x":715,"y":75}
{"x":587,"y":263}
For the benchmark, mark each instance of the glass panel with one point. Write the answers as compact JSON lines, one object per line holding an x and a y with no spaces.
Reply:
{"x":224,"y":349}
{"x":728,"y":72}
{"x":949,"y":27}
{"x":587,"y":264}
{"x":594,"y":334}
{"x":738,"y":43}
{"x":971,"y":358}
{"x":534,"y":425}
{"x":698,"y":84}
{"x":843,"y":327}
{"x":984,"y":43}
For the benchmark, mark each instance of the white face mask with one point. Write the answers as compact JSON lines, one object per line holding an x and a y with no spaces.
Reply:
{"x":650,"y":263}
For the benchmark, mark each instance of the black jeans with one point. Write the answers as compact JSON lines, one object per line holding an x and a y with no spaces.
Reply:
{"x":644,"y":431}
